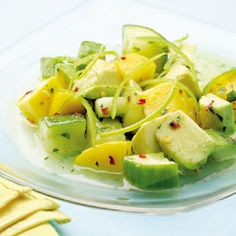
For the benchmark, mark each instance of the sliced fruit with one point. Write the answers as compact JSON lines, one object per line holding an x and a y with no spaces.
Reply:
{"x":36,"y":103}
{"x":128,"y":63}
{"x":63,"y":134}
{"x":225,"y":147}
{"x":132,"y":43}
{"x":151,"y":171}
{"x":183,"y":140}
{"x":89,"y":48}
{"x":107,"y":157}
{"x":101,"y":81}
{"x":103,"y":106}
{"x":183,"y":99}
{"x":65,"y":102}
{"x":216,"y":113}
{"x":223,"y":85}
{"x":144,"y":141}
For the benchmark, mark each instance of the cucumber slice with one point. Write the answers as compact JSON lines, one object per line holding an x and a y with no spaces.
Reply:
{"x":225,"y":147}
{"x":63,"y":134}
{"x":103,"y":106}
{"x":88,"y":48}
{"x":150,"y":171}
{"x":133,"y":44}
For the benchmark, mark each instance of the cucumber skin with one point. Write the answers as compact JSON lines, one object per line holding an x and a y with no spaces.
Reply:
{"x":66,"y":134}
{"x":151,"y":177}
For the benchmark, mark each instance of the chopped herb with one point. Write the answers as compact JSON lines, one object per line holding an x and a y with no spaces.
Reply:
{"x":72,"y":170}
{"x":45,"y":158}
{"x":231,"y":96}
{"x":136,"y":49}
{"x":66,"y":135}
{"x":41,"y":103}
{"x":151,"y":42}
{"x":111,"y":160}
{"x":51,"y":90}
{"x":55,"y":150}
{"x":81,"y":67}
{"x":101,"y":106}
{"x":97,"y":164}
{"x":159,"y":126}
{"x":164,"y":112}
{"x":180,"y":91}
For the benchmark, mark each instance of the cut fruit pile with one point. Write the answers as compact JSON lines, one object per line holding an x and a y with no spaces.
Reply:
{"x":141,"y":114}
{"x":24,"y":212}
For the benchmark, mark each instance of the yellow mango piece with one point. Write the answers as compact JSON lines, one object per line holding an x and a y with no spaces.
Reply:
{"x":222,"y":85}
{"x":107,"y":157}
{"x":36,"y":103}
{"x":131,"y":62}
{"x":183,"y":100}
{"x":65,"y":102}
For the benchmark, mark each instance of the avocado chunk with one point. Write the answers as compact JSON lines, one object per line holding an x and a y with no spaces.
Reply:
{"x":183,"y":140}
{"x":150,"y":171}
{"x":216,"y":113}
{"x":144,"y":140}
{"x":101,"y":81}
{"x":63,"y":134}
{"x":103,"y":106}
{"x":225,"y":147}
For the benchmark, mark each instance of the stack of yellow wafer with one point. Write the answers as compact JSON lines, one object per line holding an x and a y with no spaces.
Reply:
{"x":27,"y":213}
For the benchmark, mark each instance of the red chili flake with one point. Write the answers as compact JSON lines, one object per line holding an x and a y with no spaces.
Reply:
{"x":123,"y":58}
{"x":141,"y":101}
{"x":56,"y":114}
{"x":28,"y":92}
{"x":105,"y":111}
{"x":209,"y":106}
{"x":142,"y":156}
{"x":112,"y":161}
{"x":76,"y":89}
{"x":174,"y":125}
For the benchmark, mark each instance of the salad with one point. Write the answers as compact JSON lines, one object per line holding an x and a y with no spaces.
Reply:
{"x":141,"y":113}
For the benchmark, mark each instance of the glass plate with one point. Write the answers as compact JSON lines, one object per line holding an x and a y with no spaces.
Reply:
{"x":101,"y":21}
